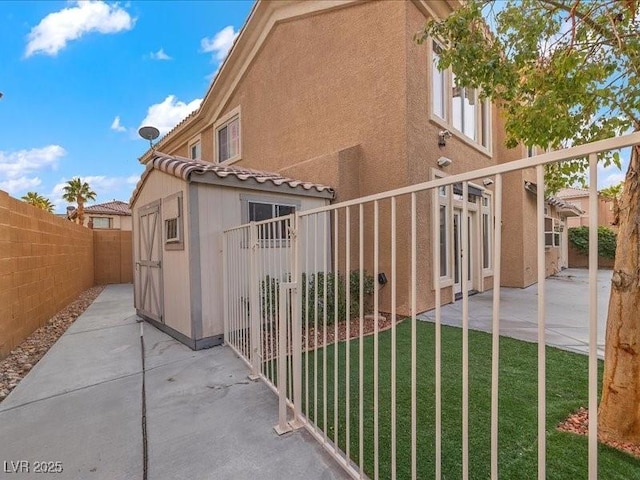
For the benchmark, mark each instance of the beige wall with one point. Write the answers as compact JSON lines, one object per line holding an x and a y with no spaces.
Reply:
{"x":341,"y":97}
{"x":175,"y":263}
{"x":605,"y":212}
{"x":45,"y":262}
{"x":113,"y":257}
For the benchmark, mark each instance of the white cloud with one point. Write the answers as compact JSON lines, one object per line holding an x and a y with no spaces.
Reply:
{"x":115,"y":125}
{"x":167,"y":114}
{"x":220,"y":43}
{"x":56,"y":29}
{"x":160,"y":55}
{"x":103,"y":185}
{"x":19,"y":185}
{"x":18,"y":169}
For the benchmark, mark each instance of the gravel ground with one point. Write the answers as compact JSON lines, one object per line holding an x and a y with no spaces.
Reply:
{"x":578,"y":423}
{"x":22,"y":358}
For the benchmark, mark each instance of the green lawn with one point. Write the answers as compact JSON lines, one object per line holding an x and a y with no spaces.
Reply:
{"x":566,"y":391}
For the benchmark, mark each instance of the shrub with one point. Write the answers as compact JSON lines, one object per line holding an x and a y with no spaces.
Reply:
{"x":316,"y":283}
{"x":607,"y":239}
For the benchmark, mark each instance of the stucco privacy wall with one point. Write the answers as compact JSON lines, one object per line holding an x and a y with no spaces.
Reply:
{"x":45,"y":262}
{"x":113,"y":256}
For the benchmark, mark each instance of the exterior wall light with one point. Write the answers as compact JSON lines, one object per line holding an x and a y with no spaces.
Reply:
{"x":444,"y":162}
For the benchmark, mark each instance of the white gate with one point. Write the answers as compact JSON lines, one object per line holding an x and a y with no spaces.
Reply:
{"x":296,"y":309}
{"x":148,"y":286}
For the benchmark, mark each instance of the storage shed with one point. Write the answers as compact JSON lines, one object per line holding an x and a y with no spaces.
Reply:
{"x":180,"y":209}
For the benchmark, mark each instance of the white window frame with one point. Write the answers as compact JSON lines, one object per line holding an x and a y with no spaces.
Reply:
{"x":446,"y":201}
{"x":483,"y":120}
{"x":552,"y":237}
{"x":489,"y":211}
{"x":225,"y":121}
{"x":174,"y":242}
{"x":246,"y":200}
{"x":195,"y":142}
{"x":93,"y":219}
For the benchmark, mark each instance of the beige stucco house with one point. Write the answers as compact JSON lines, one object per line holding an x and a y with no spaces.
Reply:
{"x":580,"y":198}
{"x":114,"y":215}
{"x":338,"y":93}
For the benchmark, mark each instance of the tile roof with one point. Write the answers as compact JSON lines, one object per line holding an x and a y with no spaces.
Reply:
{"x":572,"y":192}
{"x":115,"y":207}
{"x":195,"y":171}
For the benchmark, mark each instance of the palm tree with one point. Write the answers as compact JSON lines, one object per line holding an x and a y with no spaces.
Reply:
{"x":37,"y":200}
{"x":78,"y":191}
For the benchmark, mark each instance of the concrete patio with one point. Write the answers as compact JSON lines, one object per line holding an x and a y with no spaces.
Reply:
{"x":567,"y":306}
{"x":81,"y":405}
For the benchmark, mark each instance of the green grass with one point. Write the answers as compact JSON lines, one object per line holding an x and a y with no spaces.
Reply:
{"x":566,"y":391}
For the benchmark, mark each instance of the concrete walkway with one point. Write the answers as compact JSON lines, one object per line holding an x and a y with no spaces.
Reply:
{"x":81,"y":405}
{"x":567,"y":306}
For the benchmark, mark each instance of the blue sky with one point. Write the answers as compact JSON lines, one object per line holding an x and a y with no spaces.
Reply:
{"x":79,"y":79}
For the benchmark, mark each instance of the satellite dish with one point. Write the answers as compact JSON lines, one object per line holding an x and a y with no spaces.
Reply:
{"x":149,"y":133}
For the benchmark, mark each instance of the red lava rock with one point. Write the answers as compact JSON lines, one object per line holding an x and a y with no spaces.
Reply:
{"x":578,"y":423}
{"x":22,"y":359}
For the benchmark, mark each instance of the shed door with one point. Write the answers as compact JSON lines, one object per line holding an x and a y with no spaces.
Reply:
{"x":149,"y":265}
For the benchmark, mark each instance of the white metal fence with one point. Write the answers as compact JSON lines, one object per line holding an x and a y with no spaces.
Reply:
{"x":302,"y":306}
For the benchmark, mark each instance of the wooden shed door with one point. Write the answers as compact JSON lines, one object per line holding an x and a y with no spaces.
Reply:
{"x":149,"y":265}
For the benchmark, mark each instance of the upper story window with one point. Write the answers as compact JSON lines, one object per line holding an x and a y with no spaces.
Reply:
{"x":195,"y":151}
{"x":228,"y":138}
{"x":459,"y":107}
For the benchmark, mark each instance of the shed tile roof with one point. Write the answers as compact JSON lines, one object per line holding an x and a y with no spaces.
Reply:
{"x":195,"y":170}
{"x":115,"y":207}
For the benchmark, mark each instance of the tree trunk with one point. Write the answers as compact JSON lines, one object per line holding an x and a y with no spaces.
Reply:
{"x":619,"y":412}
{"x":80,"y":211}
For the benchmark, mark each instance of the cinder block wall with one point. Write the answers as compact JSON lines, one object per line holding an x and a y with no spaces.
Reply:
{"x":45,"y":262}
{"x":113,"y":257}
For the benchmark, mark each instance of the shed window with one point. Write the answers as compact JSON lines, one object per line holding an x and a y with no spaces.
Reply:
{"x":173,"y":224}
{"x":171,"y":230}
{"x":261,"y":211}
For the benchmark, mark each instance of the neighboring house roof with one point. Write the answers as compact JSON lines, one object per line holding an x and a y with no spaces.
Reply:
{"x":213,"y":173}
{"x":115,"y":207}
{"x":562,"y":206}
{"x":572,"y":192}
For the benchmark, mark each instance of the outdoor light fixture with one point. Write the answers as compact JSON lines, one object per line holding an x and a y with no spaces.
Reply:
{"x":382,"y":278}
{"x":444,"y":162}
{"x":487,"y":181}
{"x":442,"y":137}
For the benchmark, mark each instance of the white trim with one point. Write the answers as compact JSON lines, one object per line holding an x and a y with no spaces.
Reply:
{"x":490,"y":211}
{"x":446,"y":201}
{"x":447,"y":123}
{"x":223,"y":121}
{"x":196,"y":139}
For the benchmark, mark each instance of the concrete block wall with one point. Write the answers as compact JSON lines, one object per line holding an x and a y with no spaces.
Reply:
{"x":45,"y":262}
{"x":113,"y":256}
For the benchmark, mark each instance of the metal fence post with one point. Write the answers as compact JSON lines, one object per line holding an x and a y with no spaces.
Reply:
{"x":282,"y":427}
{"x":296,"y":322}
{"x":254,"y":304}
